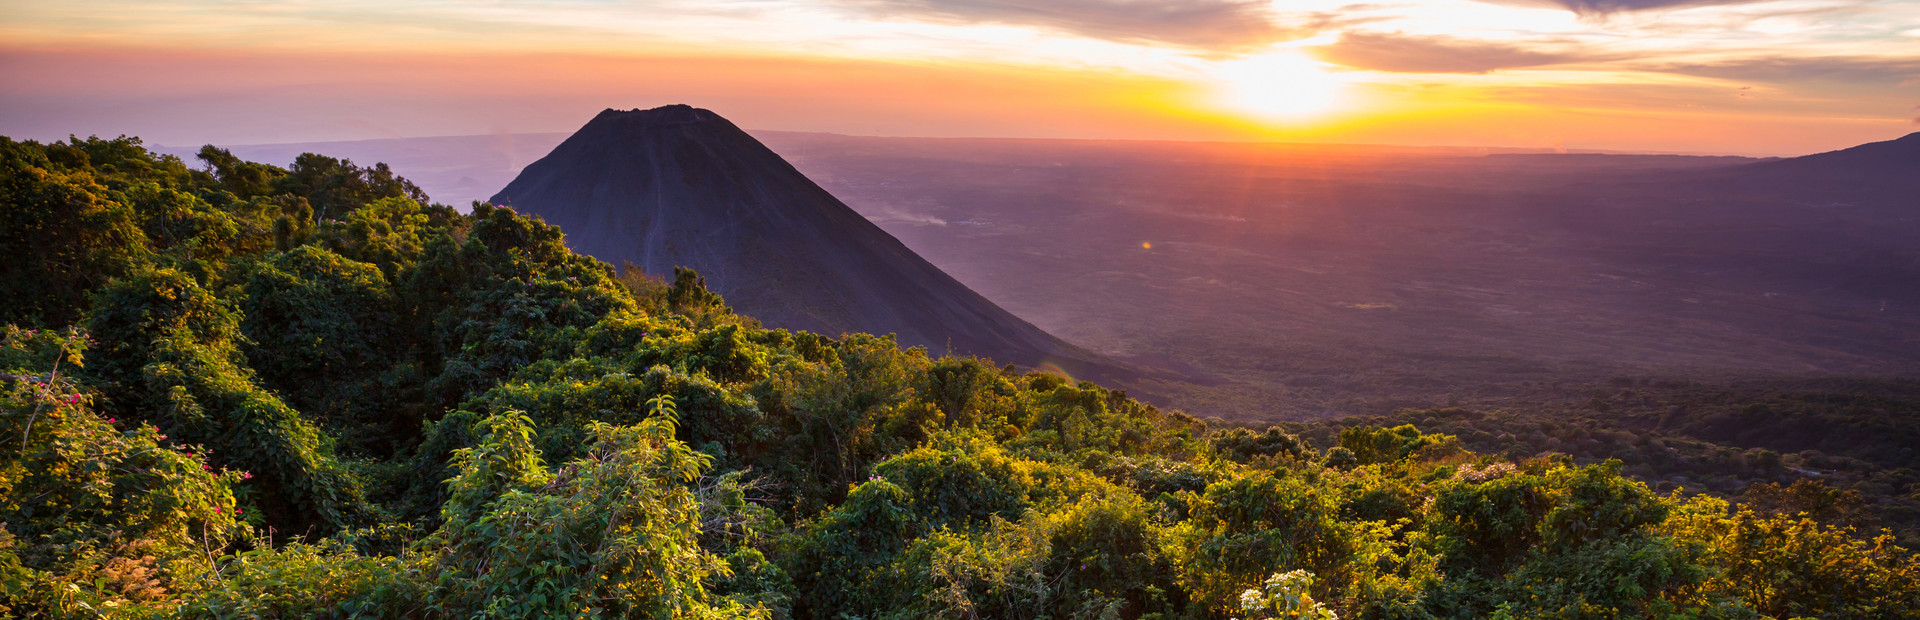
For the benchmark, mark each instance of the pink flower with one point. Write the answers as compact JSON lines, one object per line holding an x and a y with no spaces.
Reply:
{"x":238,"y":511}
{"x":246,"y":475}
{"x":206,"y":467}
{"x":109,"y":420}
{"x":73,"y":400}
{"x":219,"y":509}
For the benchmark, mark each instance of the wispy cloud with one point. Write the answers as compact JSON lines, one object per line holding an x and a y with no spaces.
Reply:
{"x":1605,"y":7}
{"x":1854,"y":70}
{"x":1401,"y":53}
{"x":1192,"y":23}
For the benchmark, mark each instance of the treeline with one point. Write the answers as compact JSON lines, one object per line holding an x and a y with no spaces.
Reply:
{"x":239,"y":390}
{"x":1866,"y":481}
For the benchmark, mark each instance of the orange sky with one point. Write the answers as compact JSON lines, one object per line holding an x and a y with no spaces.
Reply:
{"x":1768,"y":77}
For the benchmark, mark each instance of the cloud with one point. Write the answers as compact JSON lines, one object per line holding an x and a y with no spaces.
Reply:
{"x":1615,"y":6}
{"x":1400,"y":53}
{"x":1773,"y":8}
{"x":1607,"y":7}
{"x":1854,"y":70}
{"x":1192,"y":23}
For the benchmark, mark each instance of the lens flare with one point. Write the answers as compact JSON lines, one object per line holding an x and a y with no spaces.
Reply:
{"x":1055,"y":369}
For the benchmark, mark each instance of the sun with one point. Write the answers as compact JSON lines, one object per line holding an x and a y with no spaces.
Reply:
{"x":1281,"y":85}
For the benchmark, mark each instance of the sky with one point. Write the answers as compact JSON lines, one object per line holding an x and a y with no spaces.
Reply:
{"x":1766,"y":77}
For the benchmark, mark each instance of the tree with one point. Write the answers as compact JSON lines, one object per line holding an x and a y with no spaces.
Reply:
{"x":239,"y":177}
{"x":62,"y":235}
{"x":336,"y":186}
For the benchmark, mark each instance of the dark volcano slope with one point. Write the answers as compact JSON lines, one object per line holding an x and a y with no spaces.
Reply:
{"x":681,"y":186}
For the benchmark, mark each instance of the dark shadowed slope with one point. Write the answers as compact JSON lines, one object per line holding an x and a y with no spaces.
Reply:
{"x":1874,"y":174}
{"x":681,"y":186}
{"x":1897,"y":159}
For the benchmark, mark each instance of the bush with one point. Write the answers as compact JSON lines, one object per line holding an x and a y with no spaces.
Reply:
{"x":95,"y":512}
{"x":612,"y":532}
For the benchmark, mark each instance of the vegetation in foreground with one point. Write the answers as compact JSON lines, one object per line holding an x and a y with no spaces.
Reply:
{"x":248,"y":391}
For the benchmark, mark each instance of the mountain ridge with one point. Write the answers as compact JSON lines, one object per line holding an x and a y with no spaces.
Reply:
{"x":1885,"y":173}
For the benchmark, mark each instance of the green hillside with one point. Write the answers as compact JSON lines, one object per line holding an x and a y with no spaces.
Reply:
{"x":242,"y":391}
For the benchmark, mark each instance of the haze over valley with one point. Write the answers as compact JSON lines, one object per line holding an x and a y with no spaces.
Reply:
{"x":1287,"y":281}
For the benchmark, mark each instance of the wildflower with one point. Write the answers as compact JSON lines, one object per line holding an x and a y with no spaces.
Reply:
{"x":110,"y":420}
{"x":73,"y":400}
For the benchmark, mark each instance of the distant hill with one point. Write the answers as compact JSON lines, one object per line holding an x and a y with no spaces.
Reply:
{"x":681,"y":186}
{"x":1897,"y":159}
{"x":1877,"y":174}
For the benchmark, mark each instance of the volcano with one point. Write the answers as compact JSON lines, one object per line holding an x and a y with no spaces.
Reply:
{"x":681,"y":186}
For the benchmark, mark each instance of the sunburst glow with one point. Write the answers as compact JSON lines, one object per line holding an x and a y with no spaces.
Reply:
{"x":1762,"y":77}
{"x":1284,"y":85}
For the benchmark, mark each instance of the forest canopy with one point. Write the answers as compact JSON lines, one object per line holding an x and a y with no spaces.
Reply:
{"x":231,"y":389}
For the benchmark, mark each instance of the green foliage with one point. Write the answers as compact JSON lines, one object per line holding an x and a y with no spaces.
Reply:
{"x":1287,"y":596}
{"x":565,"y":398}
{"x":317,"y":327}
{"x":392,"y":233}
{"x":689,"y":292}
{"x":301,"y":580}
{"x":337,"y":186}
{"x":958,"y":481}
{"x":1792,"y":566}
{"x":841,"y":561}
{"x":1246,"y":528}
{"x":495,"y":301}
{"x":205,"y":398}
{"x":61,"y":234}
{"x":1244,"y":445}
{"x":239,"y":177}
{"x":613,"y":532}
{"x":1669,"y":461}
{"x":171,"y":354}
{"x":309,"y":393}
{"x":95,"y":513}
{"x":1553,"y":540}
{"x":133,"y":314}
{"x":1106,"y":550}
{"x":1371,"y":445}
